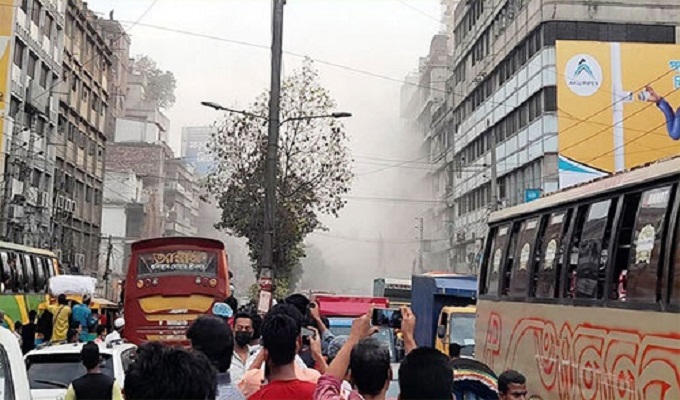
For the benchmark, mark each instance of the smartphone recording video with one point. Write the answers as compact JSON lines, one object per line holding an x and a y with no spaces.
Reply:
{"x":388,"y":317}
{"x":308,"y":333}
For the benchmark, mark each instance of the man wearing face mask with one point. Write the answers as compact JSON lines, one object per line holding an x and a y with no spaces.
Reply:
{"x":243,"y":334}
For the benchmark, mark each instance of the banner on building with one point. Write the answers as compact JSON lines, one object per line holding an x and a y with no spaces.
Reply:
{"x":7,"y":11}
{"x":607,"y":121}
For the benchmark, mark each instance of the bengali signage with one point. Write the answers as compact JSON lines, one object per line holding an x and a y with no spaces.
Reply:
{"x":177,"y":262}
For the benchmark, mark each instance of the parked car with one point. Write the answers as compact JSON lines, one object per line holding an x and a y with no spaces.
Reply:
{"x":13,"y":378}
{"x":51,"y":369}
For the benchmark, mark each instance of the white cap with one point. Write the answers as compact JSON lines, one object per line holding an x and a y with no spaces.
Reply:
{"x":119,"y":323}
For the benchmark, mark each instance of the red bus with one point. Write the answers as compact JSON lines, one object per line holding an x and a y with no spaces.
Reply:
{"x":170,"y":282}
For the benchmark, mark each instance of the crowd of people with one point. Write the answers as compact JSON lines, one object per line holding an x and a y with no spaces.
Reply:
{"x":288,"y":354}
{"x":65,"y":321}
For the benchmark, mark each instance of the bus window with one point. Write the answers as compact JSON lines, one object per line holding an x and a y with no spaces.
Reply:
{"x":29,"y":275}
{"x":17,"y":266}
{"x":6,"y":273}
{"x":39,"y":271}
{"x":674,"y":276}
{"x":592,"y":256}
{"x":493,"y":269}
{"x":48,"y":267}
{"x":643,"y":270}
{"x":523,"y":258}
{"x":506,"y":267}
{"x":551,"y":256}
{"x":624,"y":242}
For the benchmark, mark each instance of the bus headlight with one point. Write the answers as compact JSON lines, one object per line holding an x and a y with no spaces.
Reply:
{"x":213,"y":282}
{"x":154,"y":282}
{"x":198,"y":280}
{"x":140,"y":284}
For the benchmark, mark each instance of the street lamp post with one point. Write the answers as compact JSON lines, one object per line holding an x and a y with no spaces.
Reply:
{"x":266,"y":262}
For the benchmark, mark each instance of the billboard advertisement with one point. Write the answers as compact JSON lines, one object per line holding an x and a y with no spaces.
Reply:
{"x":195,"y":148}
{"x":616,"y":107}
{"x":7,"y":11}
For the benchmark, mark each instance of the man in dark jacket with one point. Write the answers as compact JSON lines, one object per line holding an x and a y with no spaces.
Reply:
{"x":94,"y":384}
{"x":28,"y":333}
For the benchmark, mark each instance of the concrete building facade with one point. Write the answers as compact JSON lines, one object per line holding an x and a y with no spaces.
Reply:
{"x":502,"y":97}
{"x":33,"y":53}
{"x":81,"y":139}
{"x":181,"y":199}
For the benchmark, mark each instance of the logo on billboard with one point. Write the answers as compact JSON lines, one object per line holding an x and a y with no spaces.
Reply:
{"x":583,"y":75}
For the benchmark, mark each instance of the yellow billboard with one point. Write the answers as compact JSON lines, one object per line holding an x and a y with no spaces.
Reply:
{"x":617,"y":106}
{"x":7,"y":11}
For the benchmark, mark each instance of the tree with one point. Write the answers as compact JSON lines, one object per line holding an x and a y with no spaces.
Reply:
{"x":313,"y":171}
{"x":160,"y":84}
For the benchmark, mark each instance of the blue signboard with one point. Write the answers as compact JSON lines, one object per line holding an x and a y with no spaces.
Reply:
{"x":531,"y":195}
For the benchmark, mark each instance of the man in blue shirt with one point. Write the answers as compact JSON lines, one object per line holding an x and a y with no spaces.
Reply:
{"x":82,"y":314}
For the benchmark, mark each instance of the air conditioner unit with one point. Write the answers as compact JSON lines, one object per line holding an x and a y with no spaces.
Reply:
{"x":16,"y":212}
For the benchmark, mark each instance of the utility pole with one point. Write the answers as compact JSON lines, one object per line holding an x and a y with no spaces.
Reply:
{"x":107,"y":271}
{"x":421,"y":240}
{"x":267,"y":261}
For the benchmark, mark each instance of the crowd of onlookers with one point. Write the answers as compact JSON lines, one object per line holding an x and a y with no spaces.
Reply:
{"x":64,"y":321}
{"x":277,"y":358}
{"x":288,"y":354}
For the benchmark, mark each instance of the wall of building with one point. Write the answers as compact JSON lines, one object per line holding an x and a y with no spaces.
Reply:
{"x":128,"y":130}
{"x":501,"y":97}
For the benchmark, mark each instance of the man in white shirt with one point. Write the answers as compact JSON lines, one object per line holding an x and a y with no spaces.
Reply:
{"x":118,"y":326}
{"x":243,"y":357}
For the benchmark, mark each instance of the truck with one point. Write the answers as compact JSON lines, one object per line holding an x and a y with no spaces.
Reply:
{"x":445,"y":307}
{"x":342,"y":310}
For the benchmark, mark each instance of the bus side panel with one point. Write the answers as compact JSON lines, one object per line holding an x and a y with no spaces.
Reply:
{"x":566,"y":356}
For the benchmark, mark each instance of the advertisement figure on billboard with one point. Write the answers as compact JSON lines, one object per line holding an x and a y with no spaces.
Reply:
{"x":672,"y":117}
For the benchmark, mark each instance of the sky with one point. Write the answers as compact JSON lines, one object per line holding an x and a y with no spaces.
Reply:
{"x":218,"y":51}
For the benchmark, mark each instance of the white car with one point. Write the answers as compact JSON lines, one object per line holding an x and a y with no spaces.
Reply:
{"x":13,"y":379}
{"x":51,"y":369}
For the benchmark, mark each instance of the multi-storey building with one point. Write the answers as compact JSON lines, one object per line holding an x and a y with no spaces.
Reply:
{"x":30,"y":45}
{"x":80,"y":139}
{"x":181,"y":199}
{"x":502,"y":97}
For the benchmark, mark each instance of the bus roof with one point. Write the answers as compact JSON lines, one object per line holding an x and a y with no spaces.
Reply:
{"x":621,"y":180}
{"x":177,"y":240}
{"x":26,"y":249}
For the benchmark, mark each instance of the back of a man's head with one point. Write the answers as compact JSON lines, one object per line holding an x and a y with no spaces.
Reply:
{"x":213,"y":337}
{"x":299,"y":301}
{"x":288,"y":310}
{"x":370,"y":366}
{"x":425,"y":374}
{"x":280,"y":335}
{"x":163,"y":372}
{"x":90,"y":355}
{"x":61,"y":299}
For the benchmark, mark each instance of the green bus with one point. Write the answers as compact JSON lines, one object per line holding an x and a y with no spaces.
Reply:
{"x":24,"y":276}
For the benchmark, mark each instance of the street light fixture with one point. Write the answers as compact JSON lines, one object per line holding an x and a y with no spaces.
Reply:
{"x":219,"y":107}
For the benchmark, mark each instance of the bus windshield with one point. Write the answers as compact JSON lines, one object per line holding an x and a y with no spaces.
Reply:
{"x":177,"y":262}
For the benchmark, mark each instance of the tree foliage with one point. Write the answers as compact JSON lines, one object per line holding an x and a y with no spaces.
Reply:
{"x":313,"y":171}
{"x":160,"y":84}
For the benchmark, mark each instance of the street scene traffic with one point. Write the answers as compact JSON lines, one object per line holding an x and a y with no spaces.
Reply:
{"x":339,"y":200}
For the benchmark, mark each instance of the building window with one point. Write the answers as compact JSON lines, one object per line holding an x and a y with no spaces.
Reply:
{"x":24,"y":5}
{"x":40,"y":127}
{"x":37,"y":8}
{"x":19,"y":49}
{"x":35,"y":180}
{"x":47,"y":26}
{"x":88,"y":194}
{"x":32,"y":61}
{"x":44,"y":72}
{"x":97,"y":197}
